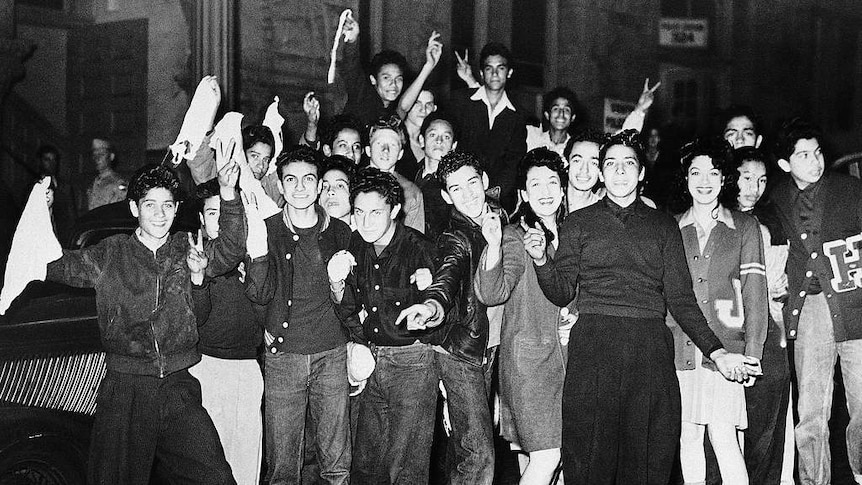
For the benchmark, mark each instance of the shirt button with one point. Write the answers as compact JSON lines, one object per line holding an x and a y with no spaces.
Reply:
{"x":376,"y":287}
{"x":814,"y":255}
{"x":803,"y":236}
{"x":295,"y":237}
{"x":284,"y":324}
{"x":704,"y":301}
{"x":289,"y":302}
{"x":834,"y":315}
{"x":376,"y":330}
{"x":802,"y":293}
{"x":688,"y":362}
{"x":809,"y":274}
{"x":374,"y":309}
{"x":688,"y":342}
{"x":695,"y":258}
{"x":273,"y":350}
{"x":793,"y":333}
{"x":700,"y":280}
{"x":795,"y":312}
{"x":280,"y":339}
{"x":397,"y":303}
{"x":287,"y":256}
{"x":376,"y":266}
{"x":707,"y":256}
{"x":829,"y":295}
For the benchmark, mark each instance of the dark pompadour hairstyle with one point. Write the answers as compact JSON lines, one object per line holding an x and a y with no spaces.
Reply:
{"x":438,"y":116}
{"x":628,"y":138}
{"x":337,"y":124}
{"x":153,"y":176}
{"x":494,"y":49}
{"x":385,"y":57}
{"x":369,"y":179}
{"x":254,"y":134}
{"x":590,"y":135}
{"x":299,"y":153}
{"x":791,"y":132}
{"x":454,"y":161}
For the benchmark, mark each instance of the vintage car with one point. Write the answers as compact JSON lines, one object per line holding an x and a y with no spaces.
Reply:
{"x":51,"y":364}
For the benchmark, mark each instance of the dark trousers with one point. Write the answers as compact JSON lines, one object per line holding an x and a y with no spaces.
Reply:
{"x":621,"y":402}
{"x":396,"y":418}
{"x":140,"y":419}
{"x":314,"y":385}
{"x":470,"y":448}
{"x":766,"y":405}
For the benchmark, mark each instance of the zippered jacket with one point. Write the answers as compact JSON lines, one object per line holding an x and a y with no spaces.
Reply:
{"x":144,"y":300}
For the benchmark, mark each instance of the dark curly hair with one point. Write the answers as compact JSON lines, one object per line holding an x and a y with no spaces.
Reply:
{"x":454,"y":161}
{"x":494,"y":49}
{"x":738,"y":111}
{"x":204,"y":191}
{"x":152,"y":176}
{"x":539,"y":157}
{"x":385,"y":57}
{"x":370,"y":179}
{"x":720,"y":153}
{"x":299,"y":153}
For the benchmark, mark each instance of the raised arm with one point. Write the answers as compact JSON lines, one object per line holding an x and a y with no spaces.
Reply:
{"x":495,"y":282}
{"x":432,"y":56}
{"x":228,"y":249}
{"x":635,"y":119}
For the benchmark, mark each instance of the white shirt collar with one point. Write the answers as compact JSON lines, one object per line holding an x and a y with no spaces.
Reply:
{"x":482,"y":95}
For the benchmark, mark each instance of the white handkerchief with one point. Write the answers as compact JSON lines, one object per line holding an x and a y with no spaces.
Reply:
{"x":34,"y":245}
{"x":330,"y":75}
{"x":273,"y":120}
{"x":198,"y":120}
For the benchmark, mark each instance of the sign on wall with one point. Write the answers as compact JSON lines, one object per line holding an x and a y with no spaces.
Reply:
{"x":680,"y":32}
{"x":616,"y":112}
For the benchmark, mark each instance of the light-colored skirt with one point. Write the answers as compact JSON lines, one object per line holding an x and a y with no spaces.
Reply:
{"x":707,"y":397}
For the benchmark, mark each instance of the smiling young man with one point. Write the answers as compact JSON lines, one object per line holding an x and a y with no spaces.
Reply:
{"x":621,"y":400}
{"x":149,"y":406}
{"x":491,"y":126}
{"x":392,"y":264}
{"x":821,"y":212}
{"x":306,"y":357}
{"x":740,"y":127}
{"x":465,"y":353}
{"x":381,"y":94}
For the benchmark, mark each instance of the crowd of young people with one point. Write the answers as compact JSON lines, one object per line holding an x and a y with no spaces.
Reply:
{"x":418,"y":249}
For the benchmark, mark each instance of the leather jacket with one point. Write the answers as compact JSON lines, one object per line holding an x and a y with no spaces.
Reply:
{"x":464,"y":331}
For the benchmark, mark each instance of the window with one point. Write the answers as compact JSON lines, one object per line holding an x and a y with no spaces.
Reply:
{"x":528,"y":41}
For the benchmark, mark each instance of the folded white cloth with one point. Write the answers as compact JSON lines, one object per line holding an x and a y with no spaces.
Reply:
{"x":273,"y":120}
{"x":227,"y":130}
{"x":198,"y":120}
{"x":360,"y":363}
{"x":34,"y":245}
